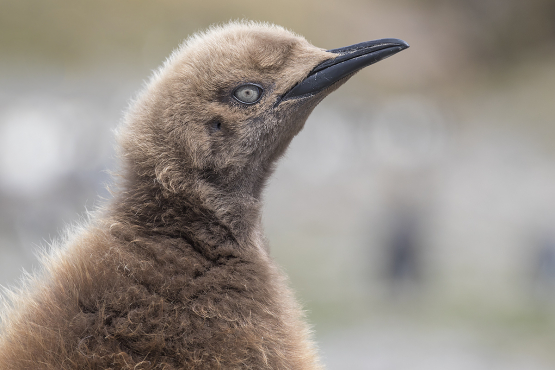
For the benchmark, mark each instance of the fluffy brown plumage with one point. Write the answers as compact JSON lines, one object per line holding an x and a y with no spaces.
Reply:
{"x":174,"y":272}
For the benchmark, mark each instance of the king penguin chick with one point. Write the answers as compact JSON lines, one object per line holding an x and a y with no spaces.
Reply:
{"x":174,"y":272}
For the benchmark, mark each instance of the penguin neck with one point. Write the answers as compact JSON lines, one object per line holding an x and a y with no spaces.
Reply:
{"x":197,"y":209}
{"x":249,"y":182}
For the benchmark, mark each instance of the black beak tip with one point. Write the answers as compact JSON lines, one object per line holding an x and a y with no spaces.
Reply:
{"x":403,"y":44}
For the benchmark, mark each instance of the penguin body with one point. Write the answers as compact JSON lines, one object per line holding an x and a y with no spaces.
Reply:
{"x":174,"y":272}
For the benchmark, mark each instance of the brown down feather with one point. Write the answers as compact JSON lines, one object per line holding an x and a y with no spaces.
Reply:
{"x":174,"y":271}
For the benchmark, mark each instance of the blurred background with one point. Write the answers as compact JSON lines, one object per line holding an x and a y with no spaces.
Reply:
{"x":415,"y":212}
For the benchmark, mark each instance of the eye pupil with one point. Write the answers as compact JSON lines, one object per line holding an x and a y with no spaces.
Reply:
{"x":248,"y":93}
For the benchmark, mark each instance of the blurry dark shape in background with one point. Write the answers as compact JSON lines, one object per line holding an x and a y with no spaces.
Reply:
{"x":423,"y":177}
{"x":544,"y":269}
{"x":403,"y":265}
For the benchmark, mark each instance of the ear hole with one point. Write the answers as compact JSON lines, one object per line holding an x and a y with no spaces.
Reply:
{"x":215,"y":125}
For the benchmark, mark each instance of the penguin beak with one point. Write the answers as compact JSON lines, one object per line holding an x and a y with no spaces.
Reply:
{"x":349,"y":59}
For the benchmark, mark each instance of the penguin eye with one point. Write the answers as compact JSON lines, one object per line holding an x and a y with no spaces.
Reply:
{"x":248,"y":93}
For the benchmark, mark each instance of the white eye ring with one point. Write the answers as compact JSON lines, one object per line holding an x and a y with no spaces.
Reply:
{"x":248,"y":93}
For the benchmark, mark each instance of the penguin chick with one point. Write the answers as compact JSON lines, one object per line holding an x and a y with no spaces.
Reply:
{"x":174,"y":272}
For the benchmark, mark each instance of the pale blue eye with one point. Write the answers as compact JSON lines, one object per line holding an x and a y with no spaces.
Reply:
{"x":248,"y":93}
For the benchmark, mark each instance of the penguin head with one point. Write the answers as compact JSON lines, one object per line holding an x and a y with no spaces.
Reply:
{"x":225,"y":106}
